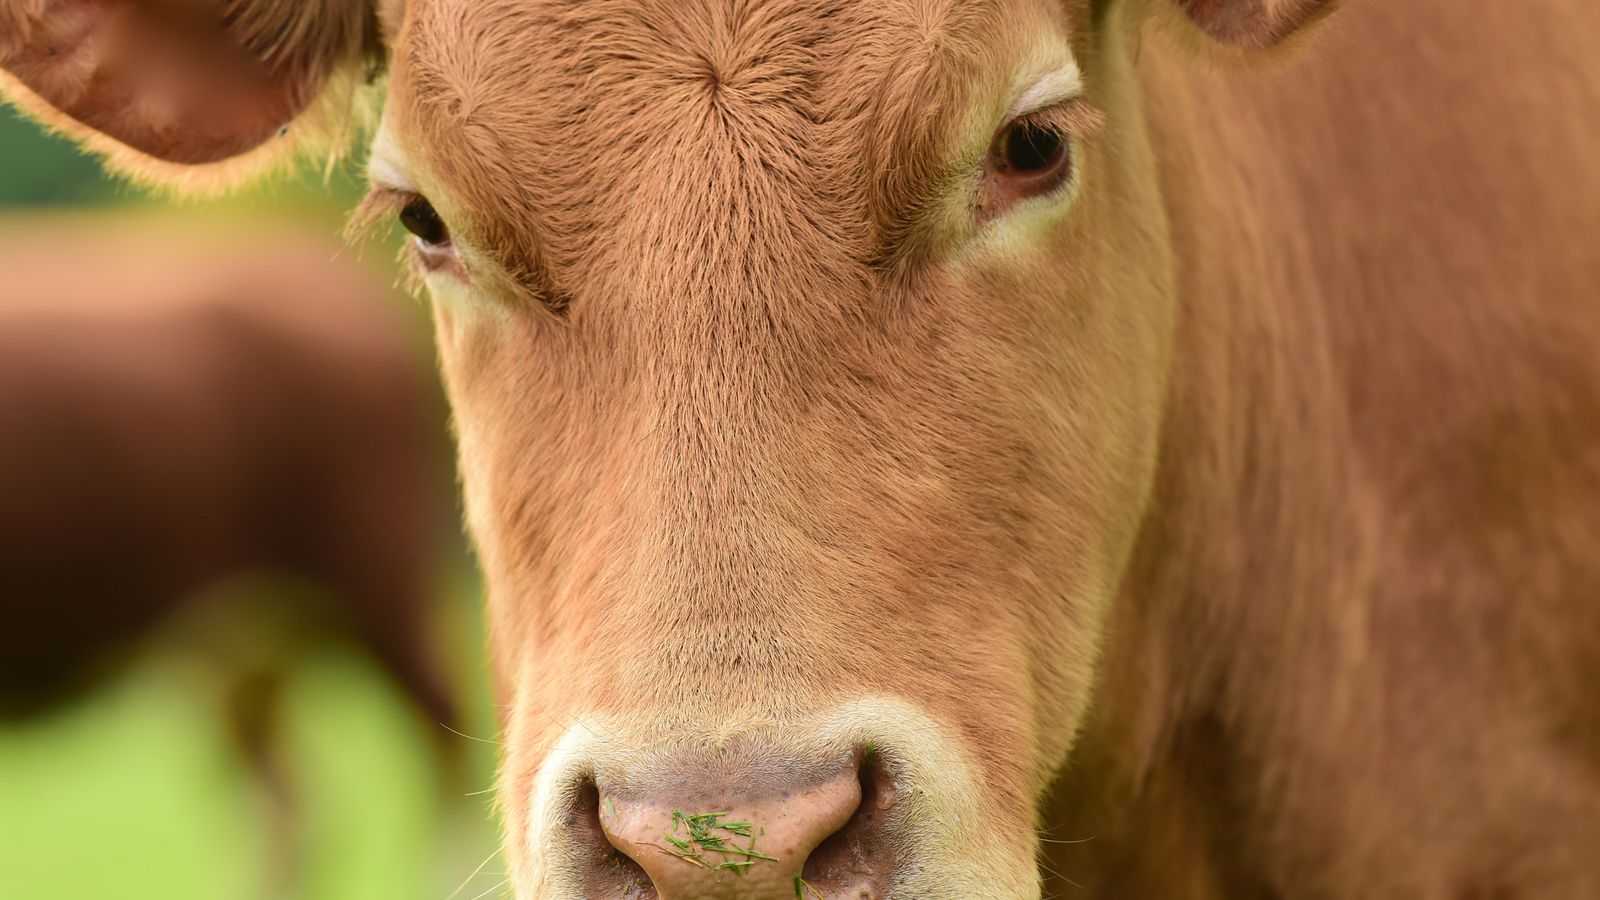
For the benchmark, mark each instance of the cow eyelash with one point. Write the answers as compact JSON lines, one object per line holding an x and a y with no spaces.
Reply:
{"x":1059,"y":127}
{"x":383,"y":206}
{"x":1034,"y":155}
{"x":431,"y":247}
{"x":375,"y":210}
{"x":1076,"y":117}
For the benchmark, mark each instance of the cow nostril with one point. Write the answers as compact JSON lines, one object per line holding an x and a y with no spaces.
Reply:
{"x":607,"y":871}
{"x":856,"y":862}
{"x":756,"y":836}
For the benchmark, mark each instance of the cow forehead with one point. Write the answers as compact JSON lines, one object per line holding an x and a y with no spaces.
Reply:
{"x":530,"y":63}
{"x":566,"y":128}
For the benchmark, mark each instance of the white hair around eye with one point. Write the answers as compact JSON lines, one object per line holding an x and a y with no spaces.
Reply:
{"x":386,"y":162}
{"x":1057,"y":85}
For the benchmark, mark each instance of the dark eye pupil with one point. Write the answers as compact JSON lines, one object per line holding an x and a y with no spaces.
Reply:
{"x":420,"y":218}
{"x":1029,"y":148}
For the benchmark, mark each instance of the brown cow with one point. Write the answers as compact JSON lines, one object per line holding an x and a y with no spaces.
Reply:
{"x":179,"y":408}
{"x":900,"y":426}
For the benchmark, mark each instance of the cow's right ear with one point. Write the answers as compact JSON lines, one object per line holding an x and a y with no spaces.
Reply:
{"x":190,"y":93}
{"x":1249,"y":25}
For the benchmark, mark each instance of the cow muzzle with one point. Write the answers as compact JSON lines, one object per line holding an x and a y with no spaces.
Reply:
{"x":698,"y":835}
{"x":869,"y":801}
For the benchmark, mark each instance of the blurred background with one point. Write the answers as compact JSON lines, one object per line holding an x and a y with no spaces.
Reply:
{"x":218,"y":692}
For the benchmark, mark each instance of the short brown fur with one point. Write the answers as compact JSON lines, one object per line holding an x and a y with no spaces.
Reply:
{"x":1245,"y":513}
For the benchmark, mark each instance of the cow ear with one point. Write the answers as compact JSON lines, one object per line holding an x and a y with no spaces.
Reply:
{"x":1253,"y":24}
{"x":188,"y":92}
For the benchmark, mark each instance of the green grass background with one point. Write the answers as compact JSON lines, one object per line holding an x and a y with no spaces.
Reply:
{"x":136,"y":794}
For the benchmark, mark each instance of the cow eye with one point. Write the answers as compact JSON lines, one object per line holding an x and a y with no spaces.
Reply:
{"x":1033,"y":157}
{"x":1027,"y":158}
{"x":421,"y":219}
{"x":1030,"y":150}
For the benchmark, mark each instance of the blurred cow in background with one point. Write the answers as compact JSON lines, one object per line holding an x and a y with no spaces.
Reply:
{"x":179,"y":410}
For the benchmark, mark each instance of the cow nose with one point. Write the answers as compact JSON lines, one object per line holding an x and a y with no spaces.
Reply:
{"x":718,"y":842}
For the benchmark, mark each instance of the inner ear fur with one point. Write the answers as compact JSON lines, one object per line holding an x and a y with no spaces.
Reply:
{"x":193,"y":94}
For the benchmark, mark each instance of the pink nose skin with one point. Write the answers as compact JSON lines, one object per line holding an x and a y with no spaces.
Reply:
{"x":725,"y":845}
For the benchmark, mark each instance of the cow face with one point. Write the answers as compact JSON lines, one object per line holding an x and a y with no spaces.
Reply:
{"x":808,"y":361}
{"x":807,"y":364}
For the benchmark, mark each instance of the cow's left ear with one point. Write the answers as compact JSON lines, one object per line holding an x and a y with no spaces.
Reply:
{"x":1253,"y":24}
{"x":187,"y":92}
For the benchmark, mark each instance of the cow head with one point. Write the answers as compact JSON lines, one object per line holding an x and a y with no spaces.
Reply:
{"x":808,"y":359}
